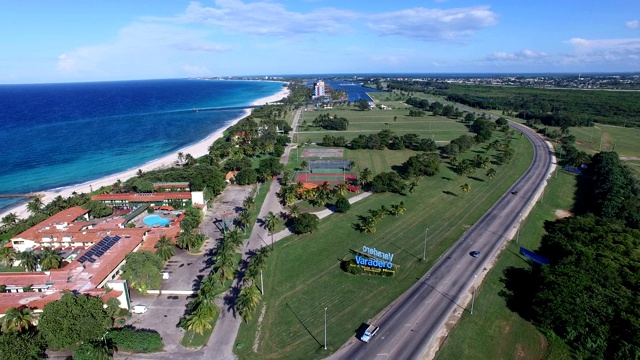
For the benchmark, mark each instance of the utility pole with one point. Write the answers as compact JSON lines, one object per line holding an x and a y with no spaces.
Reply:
{"x":424,"y":252}
{"x":325,"y":328}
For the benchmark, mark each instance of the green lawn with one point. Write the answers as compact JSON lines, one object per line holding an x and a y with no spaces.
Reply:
{"x":304,"y":276}
{"x":494,"y":331}
{"x":397,"y":120}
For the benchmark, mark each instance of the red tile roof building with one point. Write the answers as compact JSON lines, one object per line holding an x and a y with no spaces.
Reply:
{"x":95,"y":254}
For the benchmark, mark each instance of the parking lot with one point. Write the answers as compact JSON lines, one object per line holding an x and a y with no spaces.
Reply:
{"x":185,"y":272}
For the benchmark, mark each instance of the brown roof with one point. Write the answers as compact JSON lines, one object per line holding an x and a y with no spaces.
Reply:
{"x":231,"y":174}
{"x":55,"y":223}
{"x":24,"y":278}
{"x":144,"y":197}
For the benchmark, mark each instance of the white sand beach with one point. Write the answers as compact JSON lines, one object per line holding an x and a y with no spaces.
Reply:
{"x":196,"y":150}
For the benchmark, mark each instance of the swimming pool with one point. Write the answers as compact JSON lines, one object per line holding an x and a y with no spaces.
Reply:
{"x":153,"y":220}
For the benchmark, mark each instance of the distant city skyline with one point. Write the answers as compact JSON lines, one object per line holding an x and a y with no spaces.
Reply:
{"x":65,"y":41}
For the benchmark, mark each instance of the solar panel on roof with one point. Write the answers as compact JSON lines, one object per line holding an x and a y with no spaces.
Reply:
{"x":92,"y":260}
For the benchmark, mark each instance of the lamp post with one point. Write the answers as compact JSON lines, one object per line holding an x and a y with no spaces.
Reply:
{"x":424,"y":251}
{"x":473,"y":299}
{"x":261,"y":283}
{"x":325,"y":328}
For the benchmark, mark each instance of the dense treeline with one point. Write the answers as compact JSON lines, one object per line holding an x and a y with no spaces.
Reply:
{"x":553,"y":106}
{"x":383,"y":139}
{"x":614,"y":189}
{"x":589,"y":294}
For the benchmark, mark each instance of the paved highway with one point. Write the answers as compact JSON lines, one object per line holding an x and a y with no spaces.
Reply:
{"x":412,"y":323}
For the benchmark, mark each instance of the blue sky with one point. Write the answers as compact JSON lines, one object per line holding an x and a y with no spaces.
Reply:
{"x":91,"y":40}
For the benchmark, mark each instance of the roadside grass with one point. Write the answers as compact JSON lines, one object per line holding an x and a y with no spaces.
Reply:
{"x":494,"y":331}
{"x":303,"y":275}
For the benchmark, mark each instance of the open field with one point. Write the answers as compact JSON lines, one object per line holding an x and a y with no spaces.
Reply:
{"x":397,"y":120}
{"x":494,"y":331}
{"x":304,"y":275}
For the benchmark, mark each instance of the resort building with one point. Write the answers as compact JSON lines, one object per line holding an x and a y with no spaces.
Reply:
{"x":92,"y":251}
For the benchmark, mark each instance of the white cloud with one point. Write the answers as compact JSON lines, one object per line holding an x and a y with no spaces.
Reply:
{"x":265,"y":18}
{"x":146,"y":50}
{"x":523,"y":55}
{"x":273,"y":19}
{"x":633,"y":24}
{"x":604,"y":50}
{"x":433,"y":24}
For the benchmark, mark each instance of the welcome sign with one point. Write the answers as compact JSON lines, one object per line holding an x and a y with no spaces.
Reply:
{"x":382,"y":259}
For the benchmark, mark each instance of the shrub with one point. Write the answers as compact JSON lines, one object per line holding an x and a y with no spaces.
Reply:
{"x":342,"y":205}
{"x":136,"y":340}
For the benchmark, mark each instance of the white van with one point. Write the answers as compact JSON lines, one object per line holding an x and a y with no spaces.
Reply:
{"x":139,"y":309}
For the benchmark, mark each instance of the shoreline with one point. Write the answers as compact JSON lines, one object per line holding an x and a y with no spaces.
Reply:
{"x":196,"y":150}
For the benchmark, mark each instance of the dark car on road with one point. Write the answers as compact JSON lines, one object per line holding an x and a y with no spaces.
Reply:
{"x":475,"y":253}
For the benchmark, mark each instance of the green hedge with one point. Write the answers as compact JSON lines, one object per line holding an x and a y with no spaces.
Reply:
{"x":136,"y":340}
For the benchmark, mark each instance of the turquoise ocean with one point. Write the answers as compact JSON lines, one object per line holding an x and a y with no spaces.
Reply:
{"x":57,"y":135}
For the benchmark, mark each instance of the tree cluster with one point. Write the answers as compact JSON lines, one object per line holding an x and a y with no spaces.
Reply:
{"x":331,"y":122}
{"x":427,"y":164}
{"x":387,"y":139}
{"x":142,"y":270}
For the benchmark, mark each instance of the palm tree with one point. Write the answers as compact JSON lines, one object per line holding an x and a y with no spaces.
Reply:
{"x":272,"y":221}
{"x":401,"y":208}
{"x":225,"y":267}
{"x":49,"y":259}
{"x":304,"y":164}
{"x":491,"y":173}
{"x":10,"y":219}
{"x":244,"y":218}
{"x":294,"y":211}
{"x":102,"y":349}
{"x":17,"y":319}
{"x":465,"y":187}
{"x":117,"y":185}
{"x":35,"y":205}
{"x":189,"y":160}
{"x":249,"y":203}
{"x":28,"y":260}
{"x":247,"y":301}
{"x":7,"y":256}
{"x":198,"y":321}
{"x":368,"y":225}
{"x":365,"y":176}
{"x":164,"y":248}
{"x":341,"y":189}
{"x":180,"y":157}
{"x":140,"y":173}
